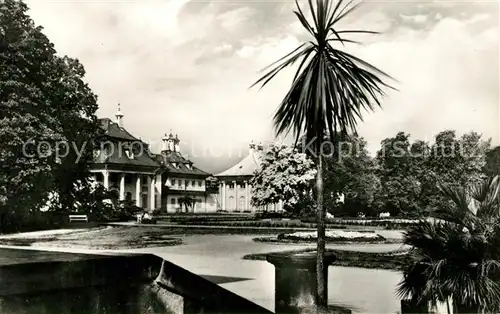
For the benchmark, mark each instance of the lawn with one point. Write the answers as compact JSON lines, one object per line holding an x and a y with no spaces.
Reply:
{"x":97,"y":238}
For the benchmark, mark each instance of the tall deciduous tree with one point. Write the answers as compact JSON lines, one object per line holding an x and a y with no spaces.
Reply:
{"x":456,"y":162}
{"x":43,"y":99}
{"x":330,"y":90}
{"x":350,"y":170}
{"x":285,"y":175}
{"x":409,"y":172}
{"x":492,"y":166}
{"x":399,"y":166}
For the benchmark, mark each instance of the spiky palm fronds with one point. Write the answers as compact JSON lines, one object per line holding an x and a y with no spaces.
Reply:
{"x":458,"y":256}
{"x":331,"y":88}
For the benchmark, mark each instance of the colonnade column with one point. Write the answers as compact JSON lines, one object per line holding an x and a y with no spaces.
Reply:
{"x":105,"y":175}
{"x":122,"y":187}
{"x":236,"y":200}
{"x":223,"y":195}
{"x":158,"y":189}
{"x":151,"y":193}
{"x":220,"y":195}
{"x":247,"y":200}
{"x":138,"y":190}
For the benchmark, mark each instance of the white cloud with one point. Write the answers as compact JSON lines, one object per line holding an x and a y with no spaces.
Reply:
{"x":234,"y":19}
{"x":223,"y":48}
{"x":187,"y":67}
{"x":443,"y":82}
{"x":419,"y":18}
{"x":246,"y":51}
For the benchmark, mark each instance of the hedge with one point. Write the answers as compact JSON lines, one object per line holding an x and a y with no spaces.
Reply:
{"x":394,"y":260}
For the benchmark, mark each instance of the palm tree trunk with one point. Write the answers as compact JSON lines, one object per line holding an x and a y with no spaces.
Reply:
{"x":322,"y":298}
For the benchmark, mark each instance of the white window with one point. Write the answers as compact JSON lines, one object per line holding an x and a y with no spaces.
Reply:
{"x":130,"y":153}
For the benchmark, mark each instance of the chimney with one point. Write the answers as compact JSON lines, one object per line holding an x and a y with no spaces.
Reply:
{"x":170,"y":141}
{"x":105,"y":124}
{"x":176,"y":144}
{"x":251,"y":148}
{"x":164,"y":143}
{"x":260,"y":147}
{"x":119,"y":117}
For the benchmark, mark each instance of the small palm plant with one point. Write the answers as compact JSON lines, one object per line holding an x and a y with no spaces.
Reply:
{"x":457,"y":257}
{"x":328,"y":96}
{"x":186,"y":201}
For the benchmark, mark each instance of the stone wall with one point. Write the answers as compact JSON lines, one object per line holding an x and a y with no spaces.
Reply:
{"x":49,"y":282}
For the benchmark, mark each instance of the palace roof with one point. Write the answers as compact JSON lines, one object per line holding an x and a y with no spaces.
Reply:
{"x":116,"y":150}
{"x":246,"y":167}
{"x":122,"y":149}
{"x":113,"y":130}
{"x":114,"y":153}
{"x":175,"y":163}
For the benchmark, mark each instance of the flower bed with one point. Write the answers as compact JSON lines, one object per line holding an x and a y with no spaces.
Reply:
{"x":393,"y":260}
{"x":387,"y":223}
{"x":332,"y":236}
{"x":252,"y":223}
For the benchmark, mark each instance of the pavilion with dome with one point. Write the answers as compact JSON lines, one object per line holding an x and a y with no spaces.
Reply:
{"x":235,"y":190}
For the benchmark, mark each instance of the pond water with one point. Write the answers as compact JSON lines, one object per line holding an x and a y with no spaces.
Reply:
{"x":362,"y":290}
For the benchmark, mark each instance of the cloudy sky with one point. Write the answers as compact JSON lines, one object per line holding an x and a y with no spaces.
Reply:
{"x":186,"y":66}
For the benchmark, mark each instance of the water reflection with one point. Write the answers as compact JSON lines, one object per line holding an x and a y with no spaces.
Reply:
{"x":362,"y":290}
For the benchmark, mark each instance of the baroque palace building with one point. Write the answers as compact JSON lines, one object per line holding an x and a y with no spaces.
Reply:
{"x":126,"y":165}
{"x":235,"y":190}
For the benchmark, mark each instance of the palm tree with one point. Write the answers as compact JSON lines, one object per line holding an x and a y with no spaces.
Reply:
{"x":330,"y":90}
{"x":186,"y":200}
{"x":457,"y":257}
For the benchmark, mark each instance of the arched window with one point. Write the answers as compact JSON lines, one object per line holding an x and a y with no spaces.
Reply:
{"x":232,"y":203}
{"x":242,"y":205}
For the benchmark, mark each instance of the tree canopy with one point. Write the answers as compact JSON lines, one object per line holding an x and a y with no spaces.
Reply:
{"x":403,"y":177}
{"x":285,"y":175}
{"x":45,"y":106}
{"x":350,"y":170}
{"x":410,"y":172}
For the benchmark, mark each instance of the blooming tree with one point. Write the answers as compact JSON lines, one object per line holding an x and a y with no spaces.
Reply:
{"x":285,"y":175}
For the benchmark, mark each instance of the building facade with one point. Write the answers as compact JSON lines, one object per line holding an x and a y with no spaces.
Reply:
{"x":185,"y":185}
{"x":235,"y":190}
{"x":125,"y":165}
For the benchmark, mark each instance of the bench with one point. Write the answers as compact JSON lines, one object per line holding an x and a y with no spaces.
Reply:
{"x":78,"y":218}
